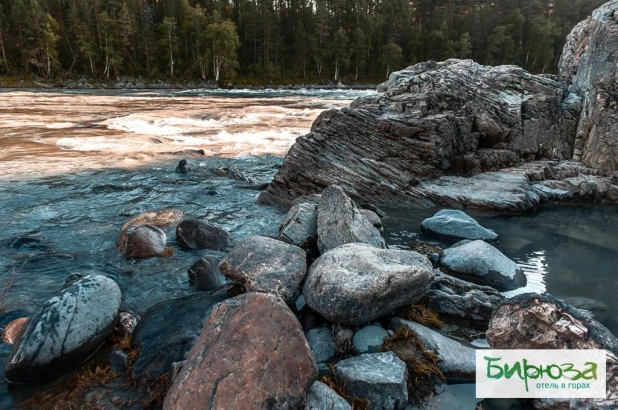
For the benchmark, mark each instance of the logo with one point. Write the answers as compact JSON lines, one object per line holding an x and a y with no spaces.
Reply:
{"x":540,"y":373}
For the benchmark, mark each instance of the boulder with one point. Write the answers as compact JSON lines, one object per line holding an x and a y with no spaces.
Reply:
{"x":299,"y":227}
{"x":590,"y":59}
{"x":182,"y":167}
{"x":322,"y":397}
{"x":65,"y":331}
{"x":479,"y":262}
{"x":341,"y":222}
{"x":194,"y":234}
{"x":167,"y":331}
{"x":369,"y":339}
{"x":430,"y":120}
{"x":204,"y":274}
{"x":143,"y":241}
{"x":262,"y":264}
{"x":378,"y":378}
{"x":457,"y":360}
{"x":357,"y":283}
{"x":164,"y":217}
{"x":221,"y":372}
{"x":461,"y":300}
{"x":533,"y":321}
{"x":322,"y":344}
{"x":373,"y":219}
{"x":455,"y":225}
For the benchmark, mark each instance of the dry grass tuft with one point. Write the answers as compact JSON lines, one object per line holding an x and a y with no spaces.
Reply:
{"x":422,"y":315}
{"x":355,"y":402}
{"x":423,"y":368}
{"x":169,"y":251}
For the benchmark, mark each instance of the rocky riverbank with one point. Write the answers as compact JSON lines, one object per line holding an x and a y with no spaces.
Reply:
{"x":459,"y":134}
{"x":322,"y":315}
{"x":131,"y":83}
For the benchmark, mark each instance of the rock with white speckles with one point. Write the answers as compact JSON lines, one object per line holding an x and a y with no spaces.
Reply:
{"x":379,"y":378}
{"x":65,"y":331}
{"x":262,"y":264}
{"x":481,"y":263}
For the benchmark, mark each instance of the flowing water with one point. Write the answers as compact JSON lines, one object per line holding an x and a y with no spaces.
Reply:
{"x":76,"y":165}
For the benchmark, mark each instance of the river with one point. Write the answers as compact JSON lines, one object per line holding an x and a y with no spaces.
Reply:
{"x":75,"y":165}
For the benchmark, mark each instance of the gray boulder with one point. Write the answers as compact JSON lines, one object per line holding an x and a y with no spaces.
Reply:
{"x":204,"y":274}
{"x":194,"y":234}
{"x":457,"y":360}
{"x":167,"y":331}
{"x":461,"y":300}
{"x":267,"y":265}
{"x":65,"y":331}
{"x":341,"y":222}
{"x":379,"y":378}
{"x":374,"y":219}
{"x":357,"y":283}
{"x":143,"y":241}
{"x":369,"y":339}
{"x":299,"y":227}
{"x":322,"y":344}
{"x":455,"y":225}
{"x":322,"y":397}
{"x":479,"y":262}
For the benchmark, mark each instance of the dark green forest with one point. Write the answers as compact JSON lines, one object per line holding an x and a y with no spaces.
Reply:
{"x":276,"y":40}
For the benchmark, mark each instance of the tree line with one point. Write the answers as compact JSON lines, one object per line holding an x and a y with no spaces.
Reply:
{"x":277,"y":40}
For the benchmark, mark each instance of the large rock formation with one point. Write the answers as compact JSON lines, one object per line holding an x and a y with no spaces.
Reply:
{"x":433,"y":124}
{"x":590,"y":57}
{"x":430,"y":120}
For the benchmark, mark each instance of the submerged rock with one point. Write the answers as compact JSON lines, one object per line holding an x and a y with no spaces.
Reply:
{"x":235,"y":173}
{"x":481,"y":263}
{"x":457,"y":360}
{"x":65,"y":330}
{"x":379,"y":378}
{"x":194,"y":234}
{"x":262,"y":264}
{"x":357,"y":283}
{"x":204,"y":274}
{"x":183,"y":167}
{"x":167,"y":331}
{"x":455,"y":225}
{"x":341,"y":222}
{"x":143,"y":241}
{"x":221,"y":372}
{"x":299,"y":227}
{"x":322,"y":397}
